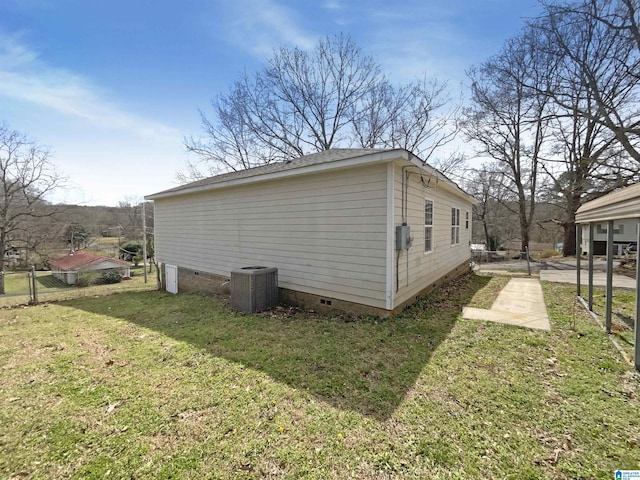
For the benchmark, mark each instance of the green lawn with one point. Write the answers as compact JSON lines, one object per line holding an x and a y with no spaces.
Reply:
{"x":50,"y":288}
{"x":151,"y":385}
{"x":623,"y":310}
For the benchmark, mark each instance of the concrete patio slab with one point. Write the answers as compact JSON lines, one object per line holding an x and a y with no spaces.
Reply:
{"x":520,"y":303}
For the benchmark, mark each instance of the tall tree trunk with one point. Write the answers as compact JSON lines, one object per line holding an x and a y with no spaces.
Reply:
{"x":525,"y":238}
{"x":569,"y":245}
{"x":524,"y":218}
{"x":487,"y":237}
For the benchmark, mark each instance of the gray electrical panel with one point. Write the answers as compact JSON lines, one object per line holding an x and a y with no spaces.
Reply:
{"x":403,"y":237}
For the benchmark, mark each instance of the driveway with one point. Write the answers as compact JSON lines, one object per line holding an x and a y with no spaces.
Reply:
{"x":599,"y":278}
{"x":543,"y":265}
{"x":562,"y":271}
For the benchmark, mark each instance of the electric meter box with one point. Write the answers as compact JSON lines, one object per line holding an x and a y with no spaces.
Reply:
{"x":403,"y":237}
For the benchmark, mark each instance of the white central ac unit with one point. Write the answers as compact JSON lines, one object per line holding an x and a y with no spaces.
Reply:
{"x":254,"y":289}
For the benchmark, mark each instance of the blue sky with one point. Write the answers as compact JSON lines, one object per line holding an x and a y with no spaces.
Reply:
{"x":113,"y":87}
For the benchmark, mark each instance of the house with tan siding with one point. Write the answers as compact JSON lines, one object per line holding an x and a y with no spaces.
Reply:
{"x":352,"y":230}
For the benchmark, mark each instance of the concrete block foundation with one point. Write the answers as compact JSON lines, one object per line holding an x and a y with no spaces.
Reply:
{"x":194,"y":281}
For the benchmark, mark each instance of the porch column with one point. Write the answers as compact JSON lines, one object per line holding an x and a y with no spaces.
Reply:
{"x":591,"y":266}
{"x":609,"y":275}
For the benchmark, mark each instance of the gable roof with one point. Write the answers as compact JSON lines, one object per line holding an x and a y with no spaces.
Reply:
{"x":327,"y":156}
{"x":81,"y":260}
{"x":623,"y":203}
{"x":328,"y":159}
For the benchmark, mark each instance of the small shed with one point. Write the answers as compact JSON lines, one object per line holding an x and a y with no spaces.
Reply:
{"x":69,"y":268}
{"x":623,"y":204}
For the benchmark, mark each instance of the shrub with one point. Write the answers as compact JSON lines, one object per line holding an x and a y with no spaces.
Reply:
{"x":130,"y":250}
{"x":111,"y":276}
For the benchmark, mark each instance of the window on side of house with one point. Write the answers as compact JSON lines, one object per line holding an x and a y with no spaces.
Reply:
{"x":428,"y":225}
{"x":455,"y":226}
{"x":602,"y":228}
{"x":466,"y":224}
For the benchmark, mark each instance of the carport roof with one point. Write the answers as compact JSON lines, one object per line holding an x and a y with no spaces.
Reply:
{"x":623,"y":203}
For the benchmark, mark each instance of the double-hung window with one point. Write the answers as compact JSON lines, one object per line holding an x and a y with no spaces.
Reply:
{"x":428,"y":225}
{"x":455,"y":226}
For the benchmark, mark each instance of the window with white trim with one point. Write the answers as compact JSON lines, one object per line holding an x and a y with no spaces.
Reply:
{"x":455,"y":226}
{"x":602,"y":228}
{"x":428,"y":225}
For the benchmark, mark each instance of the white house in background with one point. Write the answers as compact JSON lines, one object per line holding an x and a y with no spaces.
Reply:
{"x":355,"y":230}
{"x":70,"y":267}
{"x":625,"y":231}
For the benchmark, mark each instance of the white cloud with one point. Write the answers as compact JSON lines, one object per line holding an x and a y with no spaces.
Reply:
{"x":24,"y":77}
{"x":333,"y":5}
{"x":259,"y":26}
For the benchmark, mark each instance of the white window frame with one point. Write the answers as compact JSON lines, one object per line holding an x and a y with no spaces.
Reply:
{"x":428,"y":226}
{"x":601,"y":228}
{"x":455,"y":226}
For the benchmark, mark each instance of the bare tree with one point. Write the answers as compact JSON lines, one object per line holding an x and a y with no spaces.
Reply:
{"x":587,"y":47}
{"x":305,"y":102}
{"x":598,"y":42}
{"x":507,"y":119}
{"x":131,"y":222}
{"x":495,"y":216}
{"x":413,"y":116}
{"x":586,"y":162}
{"x":27,"y":176}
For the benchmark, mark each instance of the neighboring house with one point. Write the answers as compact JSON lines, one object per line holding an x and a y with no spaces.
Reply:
{"x":625,"y":231}
{"x":14,"y":256}
{"x":70,"y":268}
{"x":331,"y":222}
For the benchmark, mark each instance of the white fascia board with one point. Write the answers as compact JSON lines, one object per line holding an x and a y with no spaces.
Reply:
{"x":442,"y":180}
{"x":368,"y":159}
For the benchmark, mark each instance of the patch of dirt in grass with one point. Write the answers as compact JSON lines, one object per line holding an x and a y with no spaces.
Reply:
{"x":485,"y":297}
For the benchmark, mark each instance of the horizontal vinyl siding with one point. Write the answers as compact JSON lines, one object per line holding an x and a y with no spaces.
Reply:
{"x":417,"y":269}
{"x":325,"y":232}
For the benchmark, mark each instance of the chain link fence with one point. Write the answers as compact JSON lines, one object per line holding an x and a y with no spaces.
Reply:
{"x":22,"y":288}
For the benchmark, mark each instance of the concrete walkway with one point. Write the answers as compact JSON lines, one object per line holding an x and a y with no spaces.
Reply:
{"x":519,"y":303}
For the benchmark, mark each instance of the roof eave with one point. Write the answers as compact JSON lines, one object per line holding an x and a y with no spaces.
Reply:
{"x":448,"y":184}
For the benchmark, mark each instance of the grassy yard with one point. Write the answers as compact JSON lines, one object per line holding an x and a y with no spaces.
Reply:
{"x":52,"y":289}
{"x":151,"y":385}
{"x":623,"y":310}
